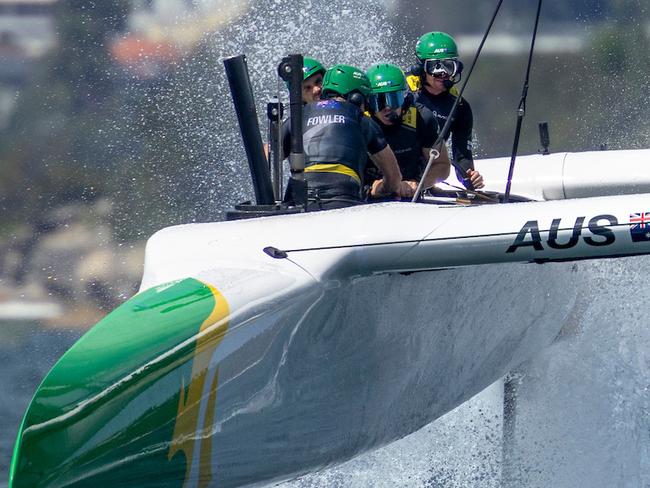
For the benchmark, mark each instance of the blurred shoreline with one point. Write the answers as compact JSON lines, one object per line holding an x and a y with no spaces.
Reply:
{"x":67,"y":270}
{"x":51,"y":314}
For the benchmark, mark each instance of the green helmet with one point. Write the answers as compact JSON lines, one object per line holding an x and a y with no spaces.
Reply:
{"x":344,"y":79}
{"x":310,"y":67}
{"x":436,"y":45}
{"x":386,"y":78}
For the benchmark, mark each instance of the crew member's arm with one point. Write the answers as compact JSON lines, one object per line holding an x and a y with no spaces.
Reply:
{"x":440,"y":168}
{"x":383,"y":157}
{"x":427,"y":134}
{"x":391,"y":181}
{"x":461,"y":143}
{"x":439,"y":171}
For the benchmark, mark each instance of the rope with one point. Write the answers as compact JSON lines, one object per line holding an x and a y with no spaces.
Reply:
{"x":521,"y":110}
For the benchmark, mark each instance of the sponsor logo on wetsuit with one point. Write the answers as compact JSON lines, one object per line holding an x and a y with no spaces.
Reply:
{"x":440,"y":116}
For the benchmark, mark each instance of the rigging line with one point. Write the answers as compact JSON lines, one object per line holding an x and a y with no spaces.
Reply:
{"x":441,"y":239}
{"x":521,"y":110}
{"x":454,"y":108}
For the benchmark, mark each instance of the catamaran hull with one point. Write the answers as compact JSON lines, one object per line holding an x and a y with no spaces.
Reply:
{"x":257,"y":351}
{"x":302,"y":386}
{"x":327,"y":388}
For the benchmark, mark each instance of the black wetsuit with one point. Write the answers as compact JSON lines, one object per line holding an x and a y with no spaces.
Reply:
{"x":337,"y":138}
{"x":460,"y":129}
{"x":418,"y":129}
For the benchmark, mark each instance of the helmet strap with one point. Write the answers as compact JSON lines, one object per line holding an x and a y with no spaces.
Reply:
{"x":356,"y":98}
{"x":408,"y":101}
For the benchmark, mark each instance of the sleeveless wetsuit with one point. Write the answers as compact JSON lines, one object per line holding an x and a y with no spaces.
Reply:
{"x":337,"y":138}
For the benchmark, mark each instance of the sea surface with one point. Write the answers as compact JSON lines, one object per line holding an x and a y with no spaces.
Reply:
{"x":582,"y":416}
{"x":27,"y":352}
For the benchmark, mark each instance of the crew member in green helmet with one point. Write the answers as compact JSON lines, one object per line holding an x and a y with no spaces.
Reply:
{"x":439,"y":69}
{"x":338,"y":138}
{"x":312,"y":80}
{"x":409,"y":127}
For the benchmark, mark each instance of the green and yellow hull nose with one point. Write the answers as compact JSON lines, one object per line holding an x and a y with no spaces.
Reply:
{"x":124,"y":402}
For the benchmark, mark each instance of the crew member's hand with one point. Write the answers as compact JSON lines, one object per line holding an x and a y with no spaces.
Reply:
{"x":407,"y":188}
{"x":475,"y":178}
{"x":377,"y":190}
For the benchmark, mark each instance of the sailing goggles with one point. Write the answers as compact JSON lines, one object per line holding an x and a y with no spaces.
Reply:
{"x":379,"y":101}
{"x":441,"y":68}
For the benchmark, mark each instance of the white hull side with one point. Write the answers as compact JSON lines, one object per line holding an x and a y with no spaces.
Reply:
{"x":331,"y":352}
{"x":324,"y":377}
{"x":561,"y":176}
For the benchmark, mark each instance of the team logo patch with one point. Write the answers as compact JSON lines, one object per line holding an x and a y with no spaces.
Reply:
{"x":329,"y":103}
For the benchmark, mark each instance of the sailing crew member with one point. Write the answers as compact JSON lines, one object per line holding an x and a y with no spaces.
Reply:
{"x":312,"y":80}
{"x":312,"y":84}
{"x":409,"y":127}
{"x":337,"y":140}
{"x":436,"y":73}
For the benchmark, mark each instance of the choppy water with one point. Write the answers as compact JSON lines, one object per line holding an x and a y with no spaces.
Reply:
{"x":582,"y":417}
{"x":27,"y":352}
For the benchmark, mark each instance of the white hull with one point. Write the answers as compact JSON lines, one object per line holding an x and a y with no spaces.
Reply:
{"x":261,"y":349}
{"x":331,"y":349}
{"x":322,"y":378}
{"x":561,"y":176}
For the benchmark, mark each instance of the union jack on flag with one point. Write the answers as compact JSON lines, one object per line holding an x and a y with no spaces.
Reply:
{"x":640,"y":226}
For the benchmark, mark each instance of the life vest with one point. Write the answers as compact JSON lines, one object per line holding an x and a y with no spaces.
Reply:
{"x":404,"y":143}
{"x":402,"y":138}
{"x":334,"y":144}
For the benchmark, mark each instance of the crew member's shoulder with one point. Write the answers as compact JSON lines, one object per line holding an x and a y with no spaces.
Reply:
{"x":455,"y":93}
{"x":423,"y":110}
{"x":367,"y":121}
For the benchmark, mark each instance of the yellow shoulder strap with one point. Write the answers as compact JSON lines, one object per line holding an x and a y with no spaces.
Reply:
{"x":413,"y":82}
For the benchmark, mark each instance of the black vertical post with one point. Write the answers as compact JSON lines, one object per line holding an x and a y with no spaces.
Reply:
{"x":274,"y":112}
{"x":242,"y":94}
{"x":290,"y":70}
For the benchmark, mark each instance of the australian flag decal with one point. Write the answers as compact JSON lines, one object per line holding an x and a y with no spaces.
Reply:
{"x":640,"y":226}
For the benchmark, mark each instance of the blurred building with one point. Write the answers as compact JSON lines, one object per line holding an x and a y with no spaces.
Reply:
{"x":517,"y":44}
{"x":26,"y":34}
{"x":160,"y":32}
{"x":28,"y":25}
